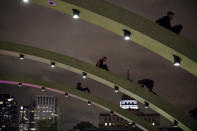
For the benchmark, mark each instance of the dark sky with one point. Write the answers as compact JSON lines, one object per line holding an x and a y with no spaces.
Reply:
{"x":47,"y":29}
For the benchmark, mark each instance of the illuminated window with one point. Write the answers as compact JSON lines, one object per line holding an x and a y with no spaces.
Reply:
{"x":105,"y":124}
{"x":109,"y":124}
{"x":1,"y":102}
{"x":9,"y":99}
{"x":153,"y":123}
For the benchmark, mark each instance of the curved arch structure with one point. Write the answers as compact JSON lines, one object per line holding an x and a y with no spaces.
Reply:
{"x":54,"y":87}
{"x":102,"y":76}
{"x":143,"y":32}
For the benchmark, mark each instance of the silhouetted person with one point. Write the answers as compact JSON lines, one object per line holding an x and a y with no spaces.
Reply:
{"x":165,"y":22}
{"x":148,"y":83}
{"x":82,"y":89}
{"x":101,"y":64}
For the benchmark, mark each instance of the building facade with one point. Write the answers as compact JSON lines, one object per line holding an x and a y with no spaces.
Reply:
{"x":8,"y":113}
{"x":26,"y":118}
{"x":45,"y":107}
{"x":130,"y":104}
{"x":127,"y":102}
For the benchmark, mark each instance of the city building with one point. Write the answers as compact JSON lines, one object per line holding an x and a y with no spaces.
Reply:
{"x":128,"y":103}
{"x":45,"y":107}
{"x":114,"y":122}
{"x":26,"y":118}
{"x":84,"y":126}
{"x":8,"y":113}
{"x":153,"y":118}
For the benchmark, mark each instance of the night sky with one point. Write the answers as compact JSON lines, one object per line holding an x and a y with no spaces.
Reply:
{"x":47,"y":29}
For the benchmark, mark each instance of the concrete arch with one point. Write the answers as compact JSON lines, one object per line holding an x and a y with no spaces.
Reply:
{"x":102,"y":76}
{"x":143,"y":32}
{"x":54,"y":87}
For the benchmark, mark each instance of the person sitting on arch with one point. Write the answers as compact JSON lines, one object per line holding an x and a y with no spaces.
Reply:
{"x":148,"y":83}
{"x":82,"y":89}
{"x":101,"y":63}
{"x":165,"y":22}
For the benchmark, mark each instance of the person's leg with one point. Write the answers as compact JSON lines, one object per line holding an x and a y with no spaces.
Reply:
{"x":87,"y":89}
{"x":105,"y":67}
{"x":177,"y":29}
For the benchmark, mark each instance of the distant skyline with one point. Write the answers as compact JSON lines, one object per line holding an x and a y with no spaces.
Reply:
{"x":68,"y":108}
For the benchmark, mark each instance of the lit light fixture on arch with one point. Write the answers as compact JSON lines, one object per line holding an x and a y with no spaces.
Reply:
{"x":175,"y":123}
{"x":20,"y":84}
{"x":84,"y":75}
{"x":66,"y":94}
{"x":111,"y":113}
{"x":116,"y":89}
{"x":43,"y":89}
{"x":89,"y":103}
{"x":133,"y":124}
{"x":25,"y":1}
{"x":75,"y":13}
{"x":52,"y":64}
{"x":21,"y":56}
{"x":127,"y":34}
{"x":177,"y":60}
{"x":146,"y":104}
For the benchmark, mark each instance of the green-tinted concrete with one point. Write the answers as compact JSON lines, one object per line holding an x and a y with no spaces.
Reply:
{"x":71,"y":90}
{"x":143,"y":32}
{"x":104,"y":77}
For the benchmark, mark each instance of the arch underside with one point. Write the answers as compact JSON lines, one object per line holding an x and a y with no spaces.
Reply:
{"x":99,"y":102}
{"x":104,"y":77}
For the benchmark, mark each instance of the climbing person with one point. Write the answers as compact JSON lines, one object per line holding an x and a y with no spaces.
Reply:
{"x":82,"y":89}
{"x":148,"y":83}
{"x":101,"y":63}
{"x":165,"y":22}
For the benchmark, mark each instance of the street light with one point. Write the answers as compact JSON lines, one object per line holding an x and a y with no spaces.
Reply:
{"x":177,"y":60}
{"x":75,"y":14}
{"x":127,"y":34}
